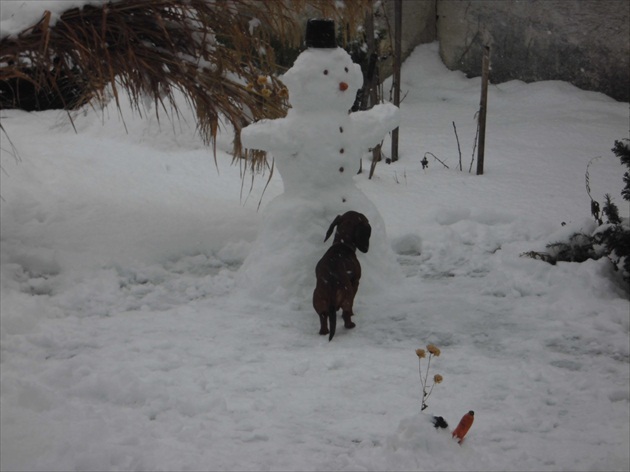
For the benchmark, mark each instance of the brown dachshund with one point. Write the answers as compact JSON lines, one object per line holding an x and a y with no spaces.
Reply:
{"x":338,"y":271}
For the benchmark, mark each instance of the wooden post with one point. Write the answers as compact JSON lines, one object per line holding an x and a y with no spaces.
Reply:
{"x":397,"y":60}
{"x":485,"y":72}
{"x":366,"y":91}
{"x":370,"y":87}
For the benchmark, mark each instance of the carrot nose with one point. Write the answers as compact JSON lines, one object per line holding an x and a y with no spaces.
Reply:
{"x":343,"y":86}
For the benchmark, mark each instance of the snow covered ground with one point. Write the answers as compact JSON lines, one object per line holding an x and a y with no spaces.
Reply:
{"x":128,"y":343}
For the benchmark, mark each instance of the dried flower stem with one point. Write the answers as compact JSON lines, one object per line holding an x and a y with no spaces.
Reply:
{"x":424,"y":379}
{"x":425,"y":395}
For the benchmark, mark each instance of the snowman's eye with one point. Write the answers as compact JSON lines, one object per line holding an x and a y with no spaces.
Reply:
{"x":346,"y":69}
{"x":326,"y":72}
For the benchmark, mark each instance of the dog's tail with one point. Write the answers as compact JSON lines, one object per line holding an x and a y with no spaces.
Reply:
{"x":332,"y":322}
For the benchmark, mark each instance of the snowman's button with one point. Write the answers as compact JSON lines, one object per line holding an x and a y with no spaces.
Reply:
{"x":341,"y":169}
{"x":341,"y":151}
{"x":343,"y":200}
{"x":341,"y":129}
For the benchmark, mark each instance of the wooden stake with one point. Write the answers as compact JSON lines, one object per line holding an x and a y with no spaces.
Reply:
{"x":485,"y":72}
{"x":397,"y":60}
{"x":376,"y":156}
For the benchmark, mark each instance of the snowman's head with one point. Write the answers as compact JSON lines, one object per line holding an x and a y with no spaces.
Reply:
{"x":323,"y":79}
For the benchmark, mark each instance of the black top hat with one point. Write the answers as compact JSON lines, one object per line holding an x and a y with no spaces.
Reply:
{"x":320,"y":33}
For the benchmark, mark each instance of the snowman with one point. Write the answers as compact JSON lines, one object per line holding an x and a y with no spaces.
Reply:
{"x":317,"y":149}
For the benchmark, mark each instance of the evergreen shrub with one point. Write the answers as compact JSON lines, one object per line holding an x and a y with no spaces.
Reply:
{"x":611,"y":237}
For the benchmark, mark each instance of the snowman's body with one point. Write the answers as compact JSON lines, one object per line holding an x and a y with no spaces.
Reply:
{"x":317,"y":149}
{"x":319,"y":143}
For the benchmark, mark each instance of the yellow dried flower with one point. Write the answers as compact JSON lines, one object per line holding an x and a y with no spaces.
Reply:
{"x":420,"y":353}
{"x":265,"y":92}
{"x":262,"y":80}
{"x":433,"y":350}
{"x":250,"y":87}
{"x":437,"y":378}
{"x":284,"y":93}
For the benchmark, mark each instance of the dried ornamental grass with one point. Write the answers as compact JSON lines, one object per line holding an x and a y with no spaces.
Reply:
{"x":210,"y":51}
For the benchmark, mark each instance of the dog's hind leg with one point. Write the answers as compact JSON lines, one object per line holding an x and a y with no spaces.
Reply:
{"x":323,"y":320}
{"x":347,"y":321}
{"x":347,"y":305}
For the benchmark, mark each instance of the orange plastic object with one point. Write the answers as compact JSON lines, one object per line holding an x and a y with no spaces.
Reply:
{"x":463,"y":426}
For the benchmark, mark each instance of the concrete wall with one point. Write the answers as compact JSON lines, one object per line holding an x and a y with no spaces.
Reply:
{"x":585,"y":42}
{"x":418,"y":22}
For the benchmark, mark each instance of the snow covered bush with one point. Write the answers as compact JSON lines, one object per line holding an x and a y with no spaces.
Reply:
{"x":622,"y":151}
{"x":611,"y":237}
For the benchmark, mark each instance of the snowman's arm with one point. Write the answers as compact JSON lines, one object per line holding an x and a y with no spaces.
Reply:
{"x":268,"y":135}
{"x":259,"y":135}
{"x":372,"y":125}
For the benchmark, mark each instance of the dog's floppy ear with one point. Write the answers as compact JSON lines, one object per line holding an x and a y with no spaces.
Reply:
{"x":332,"y":227}
{"x":362,"y":237}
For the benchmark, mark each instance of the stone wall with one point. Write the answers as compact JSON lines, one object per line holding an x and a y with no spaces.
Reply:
{"x":584,"y":42}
